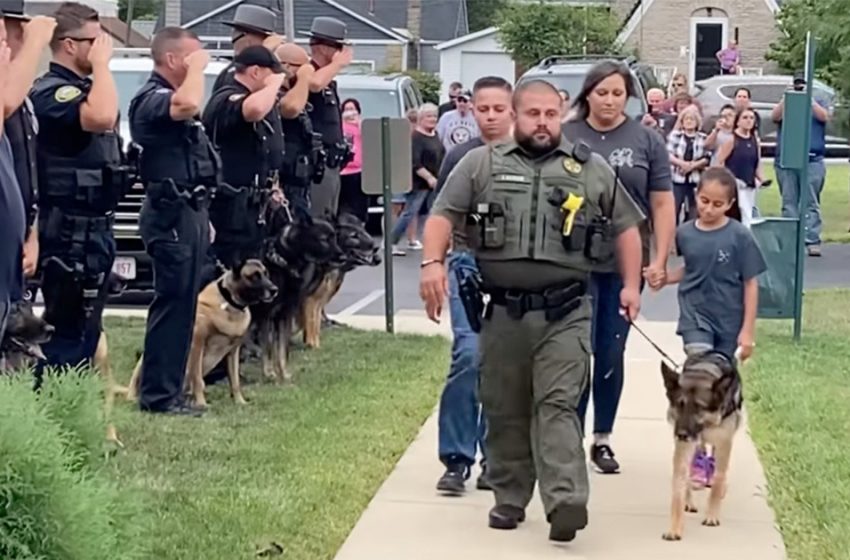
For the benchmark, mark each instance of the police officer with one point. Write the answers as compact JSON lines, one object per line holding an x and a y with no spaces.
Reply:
{"x":329,"y":56}
{"x":303,"y":156}
{"x":27,"y":38}
{"x":179,"y":169}
{"x":81,"y":179}
{"x":243,"y":121}
{"x":252,"y":25}
{"x":539,"y":213}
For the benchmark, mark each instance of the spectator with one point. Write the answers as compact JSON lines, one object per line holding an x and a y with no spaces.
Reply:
{"x":722,"y":131}
{"x":352,"y":199}
{"x":729,"y":58}
{"x":688,"y":157}
{"x":428,"y":153}
{"x":788,"y":179}
{"x":565,"y":104}
{"x":741,"y":156}
{"x":643,"y":166}
{"x":454,"y":89}
{"x":398,"y":199}
{"x":458,"y":126}
{"x":657,"y":118}
{"x":743,"y":100}
{"x":12,"y":213}
{"x":678,"y":84}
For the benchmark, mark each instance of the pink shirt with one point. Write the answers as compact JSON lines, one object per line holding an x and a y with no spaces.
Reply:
{"x":351,"y":131}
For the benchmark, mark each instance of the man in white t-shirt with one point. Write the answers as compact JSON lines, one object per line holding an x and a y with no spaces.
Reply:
{"x":458,"y":127}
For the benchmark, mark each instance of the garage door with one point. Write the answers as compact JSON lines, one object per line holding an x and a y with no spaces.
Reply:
{"x":474,"y":65}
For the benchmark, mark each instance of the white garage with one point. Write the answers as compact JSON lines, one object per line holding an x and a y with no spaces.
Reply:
{"x":473,"y":56}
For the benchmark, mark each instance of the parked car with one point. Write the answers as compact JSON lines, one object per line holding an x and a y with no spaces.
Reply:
{"x":380,"y":96}
{"x":767,"y":92}
{"x":131,"y":68}
{"x":568,"y":72}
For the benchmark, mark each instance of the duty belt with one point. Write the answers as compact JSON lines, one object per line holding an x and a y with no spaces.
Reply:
{"x":558,"y":301}
{"x":195,"y":196}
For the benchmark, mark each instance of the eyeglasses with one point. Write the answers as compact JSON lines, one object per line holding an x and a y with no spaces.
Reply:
{"x":679,"y":84}
{"x":80,"y":39}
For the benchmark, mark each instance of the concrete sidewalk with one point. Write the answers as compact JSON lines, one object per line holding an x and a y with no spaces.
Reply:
{"x":408,"y":520}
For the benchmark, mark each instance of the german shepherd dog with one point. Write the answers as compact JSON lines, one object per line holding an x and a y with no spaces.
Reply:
{"x":25,"y":333}
{"x":705,"y":403}
{"x":297,"y":253}
{"x":221,"y":321}
{"x":357,"y":249}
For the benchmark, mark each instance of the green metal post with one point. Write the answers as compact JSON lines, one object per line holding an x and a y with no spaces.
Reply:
{"x":803,"y":183}
{"x":389,"y":304}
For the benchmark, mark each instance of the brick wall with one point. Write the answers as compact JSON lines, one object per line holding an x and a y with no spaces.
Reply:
{"x":666,"y":28}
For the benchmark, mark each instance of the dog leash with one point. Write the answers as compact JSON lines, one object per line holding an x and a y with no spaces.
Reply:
{"x":658,"y":349}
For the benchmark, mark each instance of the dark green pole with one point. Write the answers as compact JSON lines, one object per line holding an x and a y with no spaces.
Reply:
{"x":389,"y":304}
{"x":803,"y":183}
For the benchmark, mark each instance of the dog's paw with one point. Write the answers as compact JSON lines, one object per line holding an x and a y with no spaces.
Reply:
{"x":671,"y":536}
{"x":711,"y":522}
{"x":690,"y":508}
{"x":240,"y":400}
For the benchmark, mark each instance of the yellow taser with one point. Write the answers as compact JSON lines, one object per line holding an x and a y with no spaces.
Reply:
{"x":571,"y":207}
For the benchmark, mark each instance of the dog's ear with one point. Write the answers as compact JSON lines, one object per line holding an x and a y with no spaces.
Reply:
{"x":671,"y":378}
{"x":237,"y":269}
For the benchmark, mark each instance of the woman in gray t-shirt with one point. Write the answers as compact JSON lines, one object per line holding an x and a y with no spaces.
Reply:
{"x":639,"y":157}
{"x":722,"y":132}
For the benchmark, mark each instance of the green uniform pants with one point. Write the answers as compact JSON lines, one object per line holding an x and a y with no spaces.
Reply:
{"x":533,"y":373}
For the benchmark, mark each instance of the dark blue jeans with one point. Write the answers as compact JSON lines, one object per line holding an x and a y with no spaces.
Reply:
{"x":462,"y":425}
{"x":609,"y":331}
{"x":413,"y":203}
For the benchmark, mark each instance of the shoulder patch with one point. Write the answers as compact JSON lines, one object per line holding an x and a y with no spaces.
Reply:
{"x":163,"y":90}
{"x":67,"y":93}
{"x":236,"y":97}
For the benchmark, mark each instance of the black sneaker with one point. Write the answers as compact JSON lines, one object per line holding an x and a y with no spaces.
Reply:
{"x":602,"y":458}
{"x":453,"y":481}
{"x":565,"y":522}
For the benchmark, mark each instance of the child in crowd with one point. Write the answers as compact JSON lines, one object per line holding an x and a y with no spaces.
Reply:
{"x":718,"y":286}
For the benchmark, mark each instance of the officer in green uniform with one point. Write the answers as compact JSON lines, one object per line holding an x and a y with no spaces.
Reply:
{"x":540,"y":214}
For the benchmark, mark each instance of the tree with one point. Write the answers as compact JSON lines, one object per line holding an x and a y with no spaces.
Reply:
{"x":532,"y":31}
{"x":829,"y":22}
{"x":142,"y":9}
{"x":483,"y":13}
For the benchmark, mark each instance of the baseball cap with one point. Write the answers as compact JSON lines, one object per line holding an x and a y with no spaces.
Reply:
{"x":799,"y":77}
{"x":258,"y":56}
{"x":466,"y":94}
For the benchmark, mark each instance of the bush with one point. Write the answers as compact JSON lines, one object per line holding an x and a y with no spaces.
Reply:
{"x":56,"y":499}
{"x":429,"y":84}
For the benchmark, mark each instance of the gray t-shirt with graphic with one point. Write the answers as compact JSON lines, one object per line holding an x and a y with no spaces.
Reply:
{"x":636,"y":150}
{"x":455,"y":129}
{"x":717,"y":263}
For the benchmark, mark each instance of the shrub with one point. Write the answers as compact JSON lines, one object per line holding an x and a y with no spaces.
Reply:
{"x":56,"y":500}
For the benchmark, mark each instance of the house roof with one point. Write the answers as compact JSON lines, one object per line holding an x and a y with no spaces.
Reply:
{"x":118,"y":29}
{"x":466,"y":38}
{"x":642,"y":7}
{"x":442,"y":20}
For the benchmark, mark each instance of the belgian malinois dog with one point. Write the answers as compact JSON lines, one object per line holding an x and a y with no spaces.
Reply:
{"x":221,"y":321}
{"x":704,"y":408}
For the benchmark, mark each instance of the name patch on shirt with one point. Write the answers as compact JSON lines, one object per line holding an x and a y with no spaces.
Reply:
{"x":67,"y":93}
{"x":511,"y":179}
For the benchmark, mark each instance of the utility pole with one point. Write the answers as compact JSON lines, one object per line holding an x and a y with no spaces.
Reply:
{"x":289,"y":20}
{"x":129,"y":22}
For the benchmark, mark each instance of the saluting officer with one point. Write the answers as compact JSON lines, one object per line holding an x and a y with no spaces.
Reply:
{"x":330,"y":55}
{"x":243,"y":120}
{"x":252,"y":25}
{"x":27,"y":38}
{"x":179,"y":169}
{"x":303,"y":156}
{"x":81,"y":180}
{"x":540,"y":213}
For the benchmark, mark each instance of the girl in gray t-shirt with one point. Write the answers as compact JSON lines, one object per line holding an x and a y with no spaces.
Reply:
{"x":718,"y":285}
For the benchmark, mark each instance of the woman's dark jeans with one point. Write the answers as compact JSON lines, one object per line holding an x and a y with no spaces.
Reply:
{"x":413,"y":203}
{"x":683,"y":193}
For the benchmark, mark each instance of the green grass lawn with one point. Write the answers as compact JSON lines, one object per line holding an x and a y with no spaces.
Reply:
{"x":798,"y":398}
{"x":297,"y":465}
{"x":835,"y":201}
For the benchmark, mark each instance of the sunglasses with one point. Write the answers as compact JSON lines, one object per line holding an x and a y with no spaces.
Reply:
{"x":80,"y":39}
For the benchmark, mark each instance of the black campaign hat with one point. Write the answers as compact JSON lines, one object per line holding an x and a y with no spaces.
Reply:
{"x":258,"y":56}
{"x":13,"y":9}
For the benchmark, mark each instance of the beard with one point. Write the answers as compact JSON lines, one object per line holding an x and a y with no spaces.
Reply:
{"x":537,"y":147}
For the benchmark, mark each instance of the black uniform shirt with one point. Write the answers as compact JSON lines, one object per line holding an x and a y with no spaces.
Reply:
{"x":326,"y":113}
{"x":56,"y":99}
{"x":249,"y":151}
{"x":21,"y":128}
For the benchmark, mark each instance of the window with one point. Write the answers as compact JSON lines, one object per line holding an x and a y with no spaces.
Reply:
{"x":409,"y":97}
{"x":375,"y":103}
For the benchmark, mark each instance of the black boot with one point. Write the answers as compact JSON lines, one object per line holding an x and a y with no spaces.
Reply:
{"x":506,"y":517}
{"x":453,"y":480}
{"x":565,"y":521}
{"x":482,"y":483}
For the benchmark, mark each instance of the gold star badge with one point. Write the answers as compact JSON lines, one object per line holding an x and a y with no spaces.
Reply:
{"x":572,"y":166}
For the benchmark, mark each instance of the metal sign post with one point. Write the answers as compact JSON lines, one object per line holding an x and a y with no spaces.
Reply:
{"x":386,"y":171}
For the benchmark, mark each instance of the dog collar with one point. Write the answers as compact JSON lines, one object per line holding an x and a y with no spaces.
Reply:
{"x":228,"y":297}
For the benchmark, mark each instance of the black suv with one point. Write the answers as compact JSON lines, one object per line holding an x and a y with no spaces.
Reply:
{"x":567,"y":72}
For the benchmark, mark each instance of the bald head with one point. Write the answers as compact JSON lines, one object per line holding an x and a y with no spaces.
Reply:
{"x":536,"y":86}
{"x":292,"y":54}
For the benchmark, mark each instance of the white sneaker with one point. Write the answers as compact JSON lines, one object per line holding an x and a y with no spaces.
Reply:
{"x":398,"y":251}
{"x":414,"y":245}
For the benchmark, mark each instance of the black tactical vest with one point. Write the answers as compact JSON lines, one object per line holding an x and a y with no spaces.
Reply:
{"x":326,"y":113}
{"x":90,"y":181}
{"x":184,"y":154}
